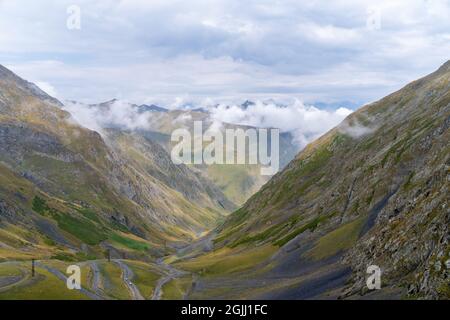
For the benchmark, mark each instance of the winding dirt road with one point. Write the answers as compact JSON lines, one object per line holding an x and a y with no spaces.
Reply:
{"x":171,"y":274}
{"x":127,"y":276}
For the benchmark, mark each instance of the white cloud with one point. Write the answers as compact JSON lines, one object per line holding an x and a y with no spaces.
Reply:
{"x":331,"y":35}
{"x":159,"y":50}
{"x":47,"y":88}
{"x":355,"y":129}
{"x":84,"y":116}
{"x":182,"y":119}
{"x":304,"y":122}
{"x":117,"y":114}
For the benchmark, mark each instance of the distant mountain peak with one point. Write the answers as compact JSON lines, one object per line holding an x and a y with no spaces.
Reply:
{"x":153,"y":108}
{"x":247,"y":103}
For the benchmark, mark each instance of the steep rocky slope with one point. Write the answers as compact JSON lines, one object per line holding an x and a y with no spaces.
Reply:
{"x":65,"y":187}
{"x":373,"y":190}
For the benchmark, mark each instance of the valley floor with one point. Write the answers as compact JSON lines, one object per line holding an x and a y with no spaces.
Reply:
{"x":100,"y":279}
{"x":193,"y":273}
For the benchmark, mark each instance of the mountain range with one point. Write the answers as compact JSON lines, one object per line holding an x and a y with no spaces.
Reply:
{"x":237,"y":182}
{"x":372,"y":191}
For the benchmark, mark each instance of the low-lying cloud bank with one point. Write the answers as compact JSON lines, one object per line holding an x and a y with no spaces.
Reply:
{"x":115,"y":114}
{"x":304,"y":122}
{"x":355,"y":130}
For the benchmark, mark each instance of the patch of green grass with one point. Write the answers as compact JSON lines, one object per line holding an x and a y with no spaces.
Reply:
{"x":319,"y":158}
{"x":176,"y":289}
{"x":113,"y":283}
{"x":340,"y":239}
{"x":262,"y":236}
{"x":303,"y":177}
{"x":45,"y":286}
{"x":144,"y":277}
{"x":82,"y":256}
{"x":84,"y":229}
{"x":69,"y":257}
{"x":309,"y":226}
{"x":88,"y":213}
{"x":237,"y":182}
{"x":48,"y":241}
{"x":63,"y":256}
{"x":118,"y":226}
{"x":9,"y":270}
{"x":39,"y":205}
{"x":227,"y":260}
{"x":273,"y":231}
{"x":129,"y":243}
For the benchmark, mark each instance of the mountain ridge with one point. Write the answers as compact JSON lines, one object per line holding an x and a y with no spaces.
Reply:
{"x":74,"y":180}
{"x":345,"y":201}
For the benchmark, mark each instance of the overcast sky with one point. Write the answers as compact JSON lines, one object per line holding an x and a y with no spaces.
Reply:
{"x":168,"y":52}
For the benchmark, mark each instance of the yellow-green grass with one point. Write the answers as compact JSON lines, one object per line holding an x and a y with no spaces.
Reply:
{"x":227,"y":260}
{"x":113,"y":284}
{"x":19,"y":244}
{"x":44,"y":286}
{"x":176,"y":289}
{"x":238,"y":182}
{"x":129,"y":241}
{"x":12,"y":183}
{"x":14,"y":236}
{"x":145,"y":277}
{"x":86,"y":276}
{"x":171,"y":259}
{"x":7,"y":254}
{"x":9,"y":270}
{"x":340,"y":239}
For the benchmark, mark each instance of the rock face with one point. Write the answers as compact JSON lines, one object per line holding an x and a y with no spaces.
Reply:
{"x":372,"y":191}
{"x":410,"y":240}
{"x":58,"y":179}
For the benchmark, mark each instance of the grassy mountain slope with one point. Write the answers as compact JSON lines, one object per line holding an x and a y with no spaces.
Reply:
{"x":65,"y":192}
{"x":373,"y":190}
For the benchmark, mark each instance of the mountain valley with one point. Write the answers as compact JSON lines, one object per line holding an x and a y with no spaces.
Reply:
{"x":371,"y":191}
